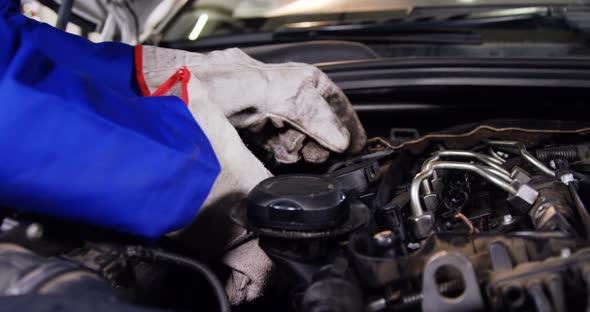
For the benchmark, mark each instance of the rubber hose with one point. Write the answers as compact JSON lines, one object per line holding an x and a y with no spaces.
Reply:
{"x":569,"y":152}
{"x":159,"y":255}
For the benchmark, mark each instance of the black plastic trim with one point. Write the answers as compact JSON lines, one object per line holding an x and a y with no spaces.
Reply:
{"x":460,"y":72}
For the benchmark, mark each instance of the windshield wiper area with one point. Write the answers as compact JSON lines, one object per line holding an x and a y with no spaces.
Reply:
{"x":363,"y":35}
{"x":430,"y":26}
{"x":441,"y":26}
{"x":380,"y":35}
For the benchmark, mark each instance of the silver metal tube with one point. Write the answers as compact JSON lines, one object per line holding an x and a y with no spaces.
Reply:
{"x":488,"y":160}
{"x":483,"y":157}
{"x":416,"y":205}
{"x":500,"y":174}
{"x":526,"y":155}
{"x":496,"y":156}
{"x":482,"y":171}
{"x":427,"y":187}
{"x":415,"y":192}
{"x":493,"y":169}
{"x":427,"y":162}
{"x":426,"y":183}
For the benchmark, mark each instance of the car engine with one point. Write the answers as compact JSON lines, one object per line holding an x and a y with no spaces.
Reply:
{"x":477,"y":217}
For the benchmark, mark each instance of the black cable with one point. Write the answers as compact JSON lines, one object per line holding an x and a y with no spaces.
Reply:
{"x":159,"y":255}
{"x":351,"y":161}
{"x":63,"y":14}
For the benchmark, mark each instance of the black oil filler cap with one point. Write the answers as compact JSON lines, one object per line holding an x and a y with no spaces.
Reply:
{"x":298,"y":203}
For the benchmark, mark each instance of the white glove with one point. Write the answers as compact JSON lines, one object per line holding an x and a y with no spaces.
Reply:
{"x":251,"y":93}
{"x":212,"y":233}
{"x":229,"y":88}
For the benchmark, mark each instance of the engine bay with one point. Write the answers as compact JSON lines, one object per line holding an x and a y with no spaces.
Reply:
{"x":487,"y":216}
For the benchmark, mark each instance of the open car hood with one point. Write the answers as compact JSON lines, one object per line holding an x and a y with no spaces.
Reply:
{"x":137,"y":21}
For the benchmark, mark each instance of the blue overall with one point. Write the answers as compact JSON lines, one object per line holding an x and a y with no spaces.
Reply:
{"x":79,"y":142}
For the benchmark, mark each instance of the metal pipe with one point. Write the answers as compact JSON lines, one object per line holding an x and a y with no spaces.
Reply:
{"x":496,"y":156}
{"x":415,"y":192}
{"x":428,"y":161}
{"x":427,"y":187}
{"x":488,"y":160}
{"x":426,"y":183}
{"x":501,"y":172}
{"x":494,"y":170}
{"x":526,"y":155}
{"x":482,"y":171}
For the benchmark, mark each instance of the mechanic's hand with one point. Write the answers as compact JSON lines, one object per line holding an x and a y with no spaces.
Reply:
{"x":228,"y":89}
{"x":212,"y":235}
{"x":251,"y":93}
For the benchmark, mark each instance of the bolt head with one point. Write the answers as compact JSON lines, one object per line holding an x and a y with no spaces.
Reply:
{"x":566,"y":252}
{"x":524,"y":198}
{"x":519,"y":177}
{"x":567,"y":178}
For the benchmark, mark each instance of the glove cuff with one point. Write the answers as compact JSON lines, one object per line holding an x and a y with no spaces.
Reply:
{"x":169,"y":87}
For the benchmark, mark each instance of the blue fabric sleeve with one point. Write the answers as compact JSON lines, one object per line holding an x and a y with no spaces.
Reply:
{"x":108,"y":62}
{"x":79,"y":144}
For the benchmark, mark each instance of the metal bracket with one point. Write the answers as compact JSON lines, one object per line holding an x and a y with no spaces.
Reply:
{"x":469,"y":300}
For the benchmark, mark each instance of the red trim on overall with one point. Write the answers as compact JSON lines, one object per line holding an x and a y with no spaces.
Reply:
{"x":138,"y":55}
{"x":183,"y":75}
{"x":185,"y":79}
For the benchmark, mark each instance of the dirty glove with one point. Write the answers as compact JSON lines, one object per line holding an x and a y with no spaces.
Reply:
{"x":298,"y":99}
{"x":229,"y":87}
{"x":241,"y":171}
{"x":212,"y":235}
